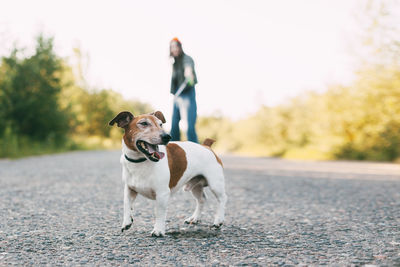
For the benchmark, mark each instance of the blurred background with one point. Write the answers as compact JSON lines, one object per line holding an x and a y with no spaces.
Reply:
{"x":313,"y":79}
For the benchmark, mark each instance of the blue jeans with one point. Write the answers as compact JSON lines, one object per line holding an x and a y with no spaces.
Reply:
{"x":185,"y":108}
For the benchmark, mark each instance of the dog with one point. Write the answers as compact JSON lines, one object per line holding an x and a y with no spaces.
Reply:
{"x":155,"y":168}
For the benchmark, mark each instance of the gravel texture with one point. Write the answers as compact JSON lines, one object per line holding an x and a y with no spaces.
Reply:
{"x":66,"y":209}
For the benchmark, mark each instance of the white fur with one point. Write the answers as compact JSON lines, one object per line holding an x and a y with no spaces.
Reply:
{"x":151,"y":179}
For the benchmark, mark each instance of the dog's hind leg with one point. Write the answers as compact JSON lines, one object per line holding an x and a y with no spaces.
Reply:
{"x":129,"y":198}
{"x":217,"y":186}
{"x":197,"y":192}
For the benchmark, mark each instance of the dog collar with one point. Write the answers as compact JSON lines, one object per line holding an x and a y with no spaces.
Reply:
{"x":135,"y":160}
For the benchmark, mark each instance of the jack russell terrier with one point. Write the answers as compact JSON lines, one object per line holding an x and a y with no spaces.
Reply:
{"x":146,"y":170}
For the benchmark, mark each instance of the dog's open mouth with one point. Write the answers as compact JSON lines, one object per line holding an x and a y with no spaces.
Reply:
{"x":151,"y":151}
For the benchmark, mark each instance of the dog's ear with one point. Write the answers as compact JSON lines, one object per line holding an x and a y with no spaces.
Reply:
{"x":159,"y":116}
{"x":122,"y":119}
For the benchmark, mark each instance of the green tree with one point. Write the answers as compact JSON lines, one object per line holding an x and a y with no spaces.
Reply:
{"x":98,"y":113}
{"x":30,"y":91}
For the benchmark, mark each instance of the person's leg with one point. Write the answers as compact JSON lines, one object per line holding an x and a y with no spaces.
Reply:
{"x":191,"y":117}
{"x":176,"y":117}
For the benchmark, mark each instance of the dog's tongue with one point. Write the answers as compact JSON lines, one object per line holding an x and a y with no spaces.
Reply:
{"x":159,"y":154}
{"x":156,"y":153}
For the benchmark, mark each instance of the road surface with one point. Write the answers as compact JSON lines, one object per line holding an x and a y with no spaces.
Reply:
{"x":66,"y":209}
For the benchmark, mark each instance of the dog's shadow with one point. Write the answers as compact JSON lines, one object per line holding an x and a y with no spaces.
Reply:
{"x":197,"y":231}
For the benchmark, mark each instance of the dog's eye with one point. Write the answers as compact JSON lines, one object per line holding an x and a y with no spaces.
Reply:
{"x":144,"y":123}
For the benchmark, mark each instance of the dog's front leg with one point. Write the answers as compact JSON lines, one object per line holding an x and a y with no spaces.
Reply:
{"x":161,"y":214}
{"x":129,"y":198}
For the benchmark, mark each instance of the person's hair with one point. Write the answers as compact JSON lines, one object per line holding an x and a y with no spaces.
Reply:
{"x":179,"y":45}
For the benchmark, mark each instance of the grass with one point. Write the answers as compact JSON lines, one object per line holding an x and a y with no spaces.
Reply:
{"x":13,"y":146}
{"x":23,"y":147}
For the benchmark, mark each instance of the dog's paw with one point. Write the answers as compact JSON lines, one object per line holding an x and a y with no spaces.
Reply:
{"x":126,"y":226}
{"x":157,"y":233}
{"x":192,"y":220}
{"x":217,"y":225}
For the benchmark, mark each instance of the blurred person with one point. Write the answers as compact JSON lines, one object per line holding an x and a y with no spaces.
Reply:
{"x":183,"y":88}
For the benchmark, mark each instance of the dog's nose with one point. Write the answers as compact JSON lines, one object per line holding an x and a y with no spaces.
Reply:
{"x":165,"y":138}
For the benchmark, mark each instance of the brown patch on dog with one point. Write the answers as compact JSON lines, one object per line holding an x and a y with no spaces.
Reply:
{"x":177,"y":163}
{"x":207,"y":144}
{"x":130,"y":131}
{"x":159,"y":116}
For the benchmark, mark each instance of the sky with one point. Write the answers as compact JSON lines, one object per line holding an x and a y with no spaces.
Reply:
{"x":246,"y":53}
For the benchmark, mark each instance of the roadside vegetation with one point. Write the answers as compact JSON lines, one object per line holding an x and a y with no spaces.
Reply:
{"x":360,"y":122}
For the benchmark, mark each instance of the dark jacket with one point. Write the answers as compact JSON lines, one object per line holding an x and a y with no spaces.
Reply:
{"x":178,"y":70}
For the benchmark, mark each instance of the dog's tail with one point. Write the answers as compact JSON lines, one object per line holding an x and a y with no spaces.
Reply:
{"x":208,"y":142}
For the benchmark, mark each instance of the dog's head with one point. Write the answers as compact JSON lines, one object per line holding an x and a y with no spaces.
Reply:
{"x":143,"y":133}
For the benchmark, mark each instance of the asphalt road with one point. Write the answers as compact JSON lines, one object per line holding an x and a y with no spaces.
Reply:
{"x":66,"y":209}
